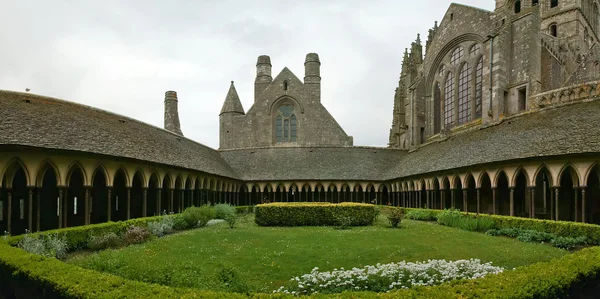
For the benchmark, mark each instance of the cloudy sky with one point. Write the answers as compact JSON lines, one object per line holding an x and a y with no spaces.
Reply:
{"x":122,"y":56}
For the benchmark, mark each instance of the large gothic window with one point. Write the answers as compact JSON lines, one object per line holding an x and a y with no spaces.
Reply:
{"x":286,"y":124}
{"x":449,"y":101}
{"x":437,"y":100}
{"x":464,"y":94}
{"x":457,"y":56}
{"x":478,"y":87}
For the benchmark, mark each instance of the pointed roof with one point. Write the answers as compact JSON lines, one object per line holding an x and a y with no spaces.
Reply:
{"x":232,"y":102}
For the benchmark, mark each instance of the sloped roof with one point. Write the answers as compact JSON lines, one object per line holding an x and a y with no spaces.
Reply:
{"x":572,"y":129}
{"x":232,"y":101}
{"x":312,"y":163}
{"x":38,"y":121}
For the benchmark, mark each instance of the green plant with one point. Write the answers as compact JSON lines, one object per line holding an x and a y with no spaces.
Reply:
{"x":342,"y":220}
{"x":222,"y":211}
{"x":180,"y":223}
{"x":230,"y":277}
{"x":136,"y":235}
{"x":231,"y":219}
{"x":455,"y":218}
{"x":163,"y":226}
{"x":394,"y":216}
{"x":423,"y":215}
{"x":107,"y":240}
{"x":313,"y":214}
{"x":53,"y":246}
{"x":198,"y":216}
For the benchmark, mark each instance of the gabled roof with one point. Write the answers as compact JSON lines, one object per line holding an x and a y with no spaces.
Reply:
{"x":232,"y":101}
{"x":44,"y":122}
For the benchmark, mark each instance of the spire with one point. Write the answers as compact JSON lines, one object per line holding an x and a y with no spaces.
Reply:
{"x":418,"y":39}
{"x":232,"y":102}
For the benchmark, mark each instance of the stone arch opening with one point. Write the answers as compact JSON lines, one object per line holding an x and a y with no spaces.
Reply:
{"x":136,"y":202}
{"x":592,"y":196}
{"x":120,"y":195}
{"x":543,"y":195}
{"x":99,"y":197}
{"x":152,"y":201}
{"x":517,"y":6}
{"x":47,"y":202}
{"x":74,"y":207}
{"x":280,"y":194}
{"x":446,"y":194}
{"x":18,"y":203}
{"x":165,"y":195}
{"x":521,"y":195}
{"x":255,"y":196}
{"x":471,"y":199}
{"x":503,"y":195}
{"x":178,"y":195}
{"x":459,"y":196}
{"x":436,"y":195}
{"x":567,"y":195}
{"x":486,"y":202}
{"x":187,"y":194}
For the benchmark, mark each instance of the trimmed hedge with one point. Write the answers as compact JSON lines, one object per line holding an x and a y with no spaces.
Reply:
{"x":559,"y":228}
{"x":78,"y":236}
{"x":314,"y":214}
{"x":244,"y":209}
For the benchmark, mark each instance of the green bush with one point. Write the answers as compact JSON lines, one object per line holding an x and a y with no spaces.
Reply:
{"x":394,"y":216}
{"x":223,"y":211}
{"x":423,"y":215}
{"x":108,"y":240}
{"x":244,"y":209}
{"x":470,"y":222}
{"x":180,"y":223}
{"x":313,"y":214}
{"x":136,"y":235}
{"x":53,"y":246}
{"x":198,"y":216}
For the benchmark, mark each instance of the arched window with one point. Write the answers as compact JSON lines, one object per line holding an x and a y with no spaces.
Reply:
{"x":285,"y":85}
{"x":553,"y":3}
{"x":464,"y":94}
{"x":457,"y":55}
{"x":475,"y":50}
{"x":286,"y":124}
{"x":437,"y":102}
{"x":554,"y":30}
{"x":449,"y":101}
{"x":517,"y":6}
{"x":441,"y":70}
{"x":478,"y":87}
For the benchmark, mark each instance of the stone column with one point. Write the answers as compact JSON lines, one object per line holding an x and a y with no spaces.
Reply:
{"x":37,"y":211}
{"x":30,"y":212}
{"x":427,"y":200}
{"x":465,"y":194}
{"x":442,"y":199}
{"x":64,"y":207}
{"x":575,"y":196}
{"x":478,"y":200}
{"x":9,"y":214}
{"x":494,"y":200}
{"x":128,"y":202}
{"x":171,"y":191}
{"x":556,"y":203}
{"x":532,"y":203}
{"x":145,"y":202}
{"x":452,"y":198}
{"x":158,"y":201}
{"x":87,"y":206}
{"x":109,"y":206}
{"x":420,"y":195}
{"x":583,"y":205}
{"x":512,"y":201}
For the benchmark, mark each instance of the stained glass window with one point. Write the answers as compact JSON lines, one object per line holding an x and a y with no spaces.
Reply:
{"x":449,"y":101}
{"x":286,"y":124}
{"x":457,"y":55}
{"x":437,"y":102}
{"x":464,"y":94}
{"x":478,"y":87}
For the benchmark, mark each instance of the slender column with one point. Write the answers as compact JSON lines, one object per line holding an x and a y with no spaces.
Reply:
{"x":64,"y":207}
{"x":60,"y":204}
{"x":512,"y":201}
{"x":533,"y":202}
{"x":465,"y":194}
{"x":556,"y":204}
{"x":87,"y":206}
{"x":109,"y":206}
{"x":128,"y":202}
{"x":583,"y":204}
{"x":576,"y":203}
{"x":287,"y":196}
{"x":478,"y":200}
{"x":452,"y":197}
{"x":158,"y":196}
{"x":420,"y":198}
{"x":428,"y":203}
{"x":37,"y":211}
{"x":144,"y":202}
{"x":494,"y":200}
{"x":442,"y":199}
{"x":9,"y":214}
{"x":30,"y":212}
{"x":171,"y":191}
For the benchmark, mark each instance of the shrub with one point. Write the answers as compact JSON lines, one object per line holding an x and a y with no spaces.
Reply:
{"x":423,"y":215}
{"x":394,"y":216}
{"x":528,"y":235}
{"x":223,"y":210}
{"x":457,"y":219}
{"x":244,"y":209}
{"x":163,"y":226}
{"x":313,"y":214}
{"x":568,"y":242}
{"x":108,"y":240}
{"x":180,"y":223}
{"x":136,"y":235}
{"x":199,"y":216}
{"x":52,"y":246}
{"x":231,"y":219}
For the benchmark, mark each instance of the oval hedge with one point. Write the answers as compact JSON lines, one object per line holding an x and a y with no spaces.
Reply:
{"x":314,"y":214}
{"x":25,"y":275}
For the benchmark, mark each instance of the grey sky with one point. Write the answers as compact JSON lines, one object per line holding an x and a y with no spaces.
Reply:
{"x":122,"y":56}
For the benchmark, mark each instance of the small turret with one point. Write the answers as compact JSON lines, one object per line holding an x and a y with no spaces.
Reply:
{"x":172,"y":113}
{"x":263,"y":75}
{"x":312,"y":69}
{"x":232,"y":102}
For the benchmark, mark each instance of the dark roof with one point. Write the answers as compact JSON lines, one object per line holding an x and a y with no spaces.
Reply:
{"x":312,"y":163}
{"x":37,"y":121}
{"x":572,"y":129}
{"x":232,"y":101}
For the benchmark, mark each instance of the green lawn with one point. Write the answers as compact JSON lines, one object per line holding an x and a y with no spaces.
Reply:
{"x":263,"y":259}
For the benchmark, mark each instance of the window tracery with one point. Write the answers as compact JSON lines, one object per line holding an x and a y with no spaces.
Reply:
{"x":286,"y":124}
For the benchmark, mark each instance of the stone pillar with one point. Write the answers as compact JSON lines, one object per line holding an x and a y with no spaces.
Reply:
{"x":465,"y":194}
{"x":64,"y":207}
{"x":575,"y":196}
{"x":158,"y":200}
{"x":193,"y":198}
{"x":128,"y":202}
{"x":494,"y":200}
{"x":478,"y":200}
{"x":556,"y":204}
{"x":583,"y":205}
{"x":442,"y":199}
{"x":452,"y":198}
{"x":512,"y":201}
{"x":171,"y":191}
{"x":37,"y":211}
{"x":87,"y":206}
{"x":30,"y":212}
{"x":427,"y":200}
{"x":60,"y":203}
{"x":145,"y":202}
{"x":420,"y":195}
{"x":532,"y":203}
{"x":109,"y":206}
{"x":9,"y":214}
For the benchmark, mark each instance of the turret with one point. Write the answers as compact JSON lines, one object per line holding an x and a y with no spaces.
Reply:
{"x":232,"y":102}
{"x":228,"y":130}
{"x":172,"y":113}
{"x":263,"y":75}
{"x":312,"y":75}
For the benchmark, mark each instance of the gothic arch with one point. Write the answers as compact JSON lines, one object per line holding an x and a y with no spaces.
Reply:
{"x":515,"y":174}
{"x":75,"y":164}
{"x":282,"y":100}
{"x":125,"y":173}
{"x":10,"y":169}
{"x":573,"y":171}
{"x":44,"y":166}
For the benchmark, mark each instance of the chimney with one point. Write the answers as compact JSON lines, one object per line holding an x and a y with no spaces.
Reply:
{"x":171,"y":113}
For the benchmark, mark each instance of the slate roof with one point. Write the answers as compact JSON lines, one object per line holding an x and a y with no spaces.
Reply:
{"x":572,"y":129}
{"x":38,"y":121}
{"x":312,"y":163}
{"x":232,"y":101}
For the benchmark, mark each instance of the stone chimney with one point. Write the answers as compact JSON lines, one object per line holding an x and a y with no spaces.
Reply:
{"x":171,"y":113}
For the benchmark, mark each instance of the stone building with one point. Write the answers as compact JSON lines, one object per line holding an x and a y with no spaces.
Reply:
{"x":497,"y":114}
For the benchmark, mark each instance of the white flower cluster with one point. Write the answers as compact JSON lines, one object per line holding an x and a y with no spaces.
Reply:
{"x":386,"y":277}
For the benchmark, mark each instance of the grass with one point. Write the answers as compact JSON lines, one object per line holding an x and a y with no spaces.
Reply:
{"x":252,"y":258}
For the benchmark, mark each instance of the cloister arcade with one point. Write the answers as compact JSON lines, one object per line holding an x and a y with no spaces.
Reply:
{"x":42,"y":192}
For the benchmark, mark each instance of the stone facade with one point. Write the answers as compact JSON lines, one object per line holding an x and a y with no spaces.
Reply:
{"x":537,"y":46}
{"x":287,"y":112}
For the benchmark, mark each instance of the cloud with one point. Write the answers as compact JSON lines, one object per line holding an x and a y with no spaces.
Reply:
{"x":123,"y":55}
